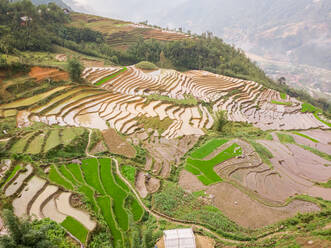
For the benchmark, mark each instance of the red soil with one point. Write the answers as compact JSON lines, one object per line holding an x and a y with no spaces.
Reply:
{"x":40,"y":73}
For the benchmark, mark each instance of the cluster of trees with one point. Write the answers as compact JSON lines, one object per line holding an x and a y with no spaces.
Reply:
{"x":24,"y":26}
{"x":23,"y":233}
{"x":204,"y":52}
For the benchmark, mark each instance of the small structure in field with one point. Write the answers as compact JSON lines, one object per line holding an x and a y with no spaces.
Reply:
{"x":179,"y":238}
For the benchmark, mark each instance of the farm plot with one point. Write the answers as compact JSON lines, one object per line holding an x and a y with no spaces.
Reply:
{"x":104,"y":190}
{"x":204,"y":169}
{"x":37,"y":199}
{"x":208,"y":148}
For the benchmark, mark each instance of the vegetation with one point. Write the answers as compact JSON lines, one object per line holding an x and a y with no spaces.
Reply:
{"x":129,"y":172}
{"x":75,"y":228}
{"x":106,"y":79}
{"x":145,"y":65}
{"x":155,"y":123}
{"x":307,"y":107}
{"x":188,"y":100}
{"x":220,"y":121}
{"x":307,"y":137}
{"x":263,"y":152}
{"x":317,"y":152}
{"x":175,"y":202}
{"x":75,"y":69}
{"x":16,"y":169}
{"x":22,"y":234}
{"x":281,"y":103}
{"x":207,"y":175}
{"x":207,"y":148}
{"x":104,"y":191}
{"x":55,"y":177}
{"x":285,"y":138}
{"x":326,"y":185}
{"x":282,"y":95}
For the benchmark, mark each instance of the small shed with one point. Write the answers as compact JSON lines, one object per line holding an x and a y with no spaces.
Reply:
{"x":179,"y":238}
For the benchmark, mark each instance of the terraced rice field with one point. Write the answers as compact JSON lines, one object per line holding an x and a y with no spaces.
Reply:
{"x":43,"y":141}
{"x":204,"y":169}
{"x":104,"y":190}
{"x":119,"y":98}
{"x":35,"y":197}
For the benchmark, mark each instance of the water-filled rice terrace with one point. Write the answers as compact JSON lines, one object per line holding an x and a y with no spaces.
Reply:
{"x":153,"y":123}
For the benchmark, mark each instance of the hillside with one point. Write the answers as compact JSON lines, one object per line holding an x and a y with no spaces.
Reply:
{"x":293,"y":33}
{"x":107,"y":142}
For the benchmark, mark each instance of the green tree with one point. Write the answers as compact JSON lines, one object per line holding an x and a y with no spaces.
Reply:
{"x":22,"y":234}
{"x":75,"y":69}
{"x":220,"y":121}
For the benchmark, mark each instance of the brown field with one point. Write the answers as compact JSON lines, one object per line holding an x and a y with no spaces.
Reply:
{"x":116,"y":144}
{"x":40,"y":73}
{"x":121,"y":34}
{"x":240,"y":208}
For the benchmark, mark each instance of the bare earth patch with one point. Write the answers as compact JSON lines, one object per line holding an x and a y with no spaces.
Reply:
{"x":118,"y":145}
{"x":41,"y":73}
{"x":249,"y":213}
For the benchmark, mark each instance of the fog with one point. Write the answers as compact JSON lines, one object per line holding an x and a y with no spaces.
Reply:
{"x":131,"y":10}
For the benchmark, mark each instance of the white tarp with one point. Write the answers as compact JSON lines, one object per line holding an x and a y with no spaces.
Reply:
{"x":179,"y":238}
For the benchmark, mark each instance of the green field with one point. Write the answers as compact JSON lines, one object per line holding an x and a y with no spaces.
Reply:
{"x":207,"y":148}
{"x":306,"y":136}
{"x":76,"y":172}
{"x":115,"y":192}
{"x":306,"y":107}
{"x":104,"y":190}
{"x":13,"y":173}
{"x":283,"y":95}
{"x":75,"y":228}
{"x":18,"y":147}
{"x":106,"y":210}
{"x":281,"y":103}
{"x":204,"y":169}
{"x":285,"y":138}
{"x":35,"y":145}
{"x":104,"y":80}
{"x":53,"y":140}
{"x":129,"y":172}
{"x":90,"y":169}
{"x":263,"y":152}
{"x":57,"y":178}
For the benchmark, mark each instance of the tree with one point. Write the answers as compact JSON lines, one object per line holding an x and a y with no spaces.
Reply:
{"x":75,"y":69}
{"x":22,"y":234}
{"x":220,"y":121}
{"x":282,"y":80}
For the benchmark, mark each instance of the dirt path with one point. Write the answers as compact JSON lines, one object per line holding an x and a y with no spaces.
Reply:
{"x":88,"y":144}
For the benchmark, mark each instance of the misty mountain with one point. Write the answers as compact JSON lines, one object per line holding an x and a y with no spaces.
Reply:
{"x":298,"y":31}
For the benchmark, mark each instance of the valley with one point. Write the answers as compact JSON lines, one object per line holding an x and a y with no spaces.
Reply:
{"x":116,"y":132}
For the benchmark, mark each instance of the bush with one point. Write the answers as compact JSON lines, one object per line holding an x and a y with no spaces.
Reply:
{"x":145,"y":65}
{"x":75,"y":69}
{"x":220,"y":121}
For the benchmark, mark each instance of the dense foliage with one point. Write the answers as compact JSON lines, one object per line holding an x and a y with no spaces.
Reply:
{"x":75,"y":69}
{"x":22,"y":234}
{"x":24,"y":26}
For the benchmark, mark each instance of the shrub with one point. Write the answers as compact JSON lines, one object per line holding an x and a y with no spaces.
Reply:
{"x":220,"y":121}
{"x":75,"y":69}
{"x":145,"y":65}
